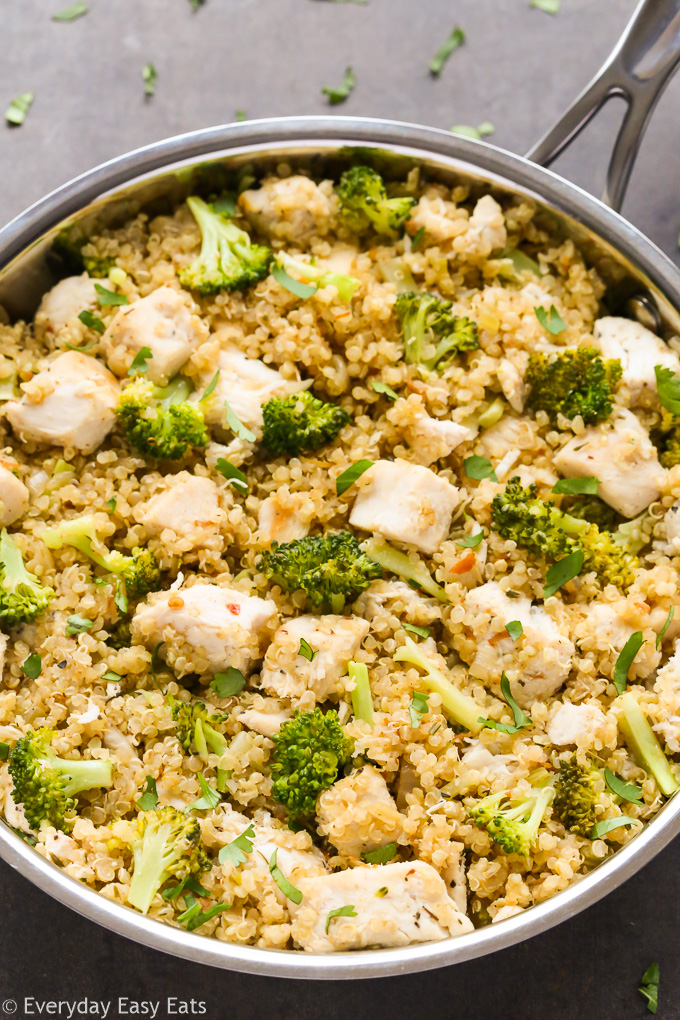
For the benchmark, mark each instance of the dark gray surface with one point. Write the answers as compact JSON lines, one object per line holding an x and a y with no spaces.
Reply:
{"x":271,"y":57}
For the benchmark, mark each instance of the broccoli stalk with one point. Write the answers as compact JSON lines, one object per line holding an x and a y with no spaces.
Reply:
{"x":331,"y":569}
{"x":364,"y":203}
{"x":362,"y":702}
{"x":643,"y":743}
{"x":515,"y":825}
{"x":139,"y":572}
{"x":47,"y":785}
{"x":541,"y":528}
{"x":575,"y":382}
{"x":228,"y":260}
{"x":428,"y":322}
{"x":311,"y":748}
{"x":309,"y":273}
{"x":160,"y":422}
{"x":458,"y":707}
{"x":195,"y":726}
{"x":22,"y":596}
{"x":399,"y":563}
{"x":300,"y":422}
{"x":166,"y":844}
{"x":575,"y":796}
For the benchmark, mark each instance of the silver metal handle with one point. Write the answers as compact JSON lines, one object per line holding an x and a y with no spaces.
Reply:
{"x":638,"y":70}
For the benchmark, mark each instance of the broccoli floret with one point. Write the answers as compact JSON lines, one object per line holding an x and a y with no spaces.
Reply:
{"x":364,"y":202}
{"x":301,"y":422}
{"x":575,"y":382}
{"x":311,"y":748}
{"x":457,"y":706}
{"x":47,"y":785}
{"x":119,"y":635}
{"x":331,"y":569}
{"x":228,"y":259}
{"x":594,"y":511}
{"x":22,"y":596}
{"x":139,"y":572}
{"x":575,"y":796}
{"x":538,"y":526}
{"x":643,"y":742}
{"x":195,"y":727}
{"x":432,"y":334}
{"x":514,"y":826}
{"x":666,"y":438}
{"x":71,"y":252}
{"x":160,"y":422}
{"x":309,"y":273}
{"x":166,"y":844}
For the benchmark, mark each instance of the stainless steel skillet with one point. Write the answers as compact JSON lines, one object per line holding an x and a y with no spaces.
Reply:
{"x":642,"y":282}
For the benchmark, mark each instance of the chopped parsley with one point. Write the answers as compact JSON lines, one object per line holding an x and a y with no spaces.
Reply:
{"x":33,"y":666}
{"x":344,"y":481}
{"x":423,"y":632}
{"x":239,"y":848}
{"x":479,"y":468}
{"x":149,"y":799}
{"x":210,"y":798}
{"x":91,"y":321}
{"x":563,"y":571}
{"x":343,"y":91}
{"x":73,"y":11}
{"x":418,"y":708}
{"x":347,"y":911}
{"x":381,"y":387}
{"x":552,"y":320}
{"x":625,"y":660}
{"x":288,"y":890}
{"x":521,"y":720}
{"x":514,"y":629}
{"x":149,"y":77}
{"x":107,"y":297}
{"x":382,"y":855}
{"x":231,"y":473}
{"x":306,"y":650}
{"x":668,"y":388}
{"x":237,"y":426}
{"x":140,"y":362}
{"x":296,"y":287}
{"x":77,"y":625}
{"x":229,"y":683}
{"x":650,"y":987}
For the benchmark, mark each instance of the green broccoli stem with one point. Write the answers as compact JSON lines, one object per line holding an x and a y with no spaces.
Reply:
{"x":345,"y":285}
{"x":79,"y":533}
{"x":457,"y":706}
{"x":643,"y":742}
{"x":176,"y":392}
{"x":14,"y":571}
{"x":83,"y":775}
{"x":150,"y":863}
{"x":362,"y":701}
{"x":399,"y":563}
{"x":492,"y":414}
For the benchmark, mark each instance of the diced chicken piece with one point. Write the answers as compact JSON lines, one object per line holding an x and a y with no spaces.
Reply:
{"x":358,"y":813}
{"x":14,"y":497}
{"x":71,"y":403}
{"x":638,"y":350}
{"x":122,"y":747}
{"x":280,"y":519}
{"x":440,"y":218}
{"x":667,"y":686}
{"x":292,"y":208}
{"x":415,"y":907}
{"x":431,"y":439}
{"x":511,"y":378}
{"x":575,"y":724}
{"x":62,"y":305}
{"x":672,"y":526}
{"x":246,"y":384}
{"x":405,"y":502}
{"x":537,"y":664}
{"x":166,"y":322}
{"x":267,"y":718}
{"x":335,"y":639}
{"x":189,"y":509}
{"x":509,"y":910}
{"x":488,"y":223}
{"x":206,"y":628}
{"x":605,"y":627}
{"x":400,"y":598}
{"x":492,"y":766}
{"x":15,"y":816}
{"x":621,"y":455}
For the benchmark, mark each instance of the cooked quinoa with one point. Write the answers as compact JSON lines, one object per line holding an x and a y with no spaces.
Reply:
{"x":396,"y":839}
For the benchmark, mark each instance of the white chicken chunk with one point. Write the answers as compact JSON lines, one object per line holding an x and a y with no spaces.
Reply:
{"x":334,"y":639}
{"x":537,"y":663}
{"x":295,"y":857}
{"x":606,"y":627}
{"x":638,"y":350}
{"x":291,"y":208}
{"x":14,"y":497}
{"x":189,"y":509}
{"x":267,"y":718}
{"x":621,"y":455}
{"x":279,"y":517}
{"x":488,"y":224}
{"x":71,"y":404}
{"x":672,"y":525}
{"x":575,"y":724}
{"x":206,"y":628}
{"x":246,"y":384}
{"x":405,"y":502}
{"x":166,"y":323}
{"x":415,"y":907}
{"x":62,"y":305}
{"x":667,"y":687}
{"x":431,"y":439}
{"x":511,"y":378}
{"x":358,"y":813}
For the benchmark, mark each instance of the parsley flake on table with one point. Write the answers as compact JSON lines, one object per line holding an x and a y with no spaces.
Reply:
{"x":451,"y":44}
{"x":73,"y":11}
{"x":343,"y":91}
{"x":15,"y":114}
{"x":149,"y":77}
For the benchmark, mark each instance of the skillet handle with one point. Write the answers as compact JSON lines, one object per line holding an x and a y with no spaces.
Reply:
{"x":638,"y":70}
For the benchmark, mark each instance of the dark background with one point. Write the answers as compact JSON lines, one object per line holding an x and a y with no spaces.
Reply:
{"x":518,"y":69}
